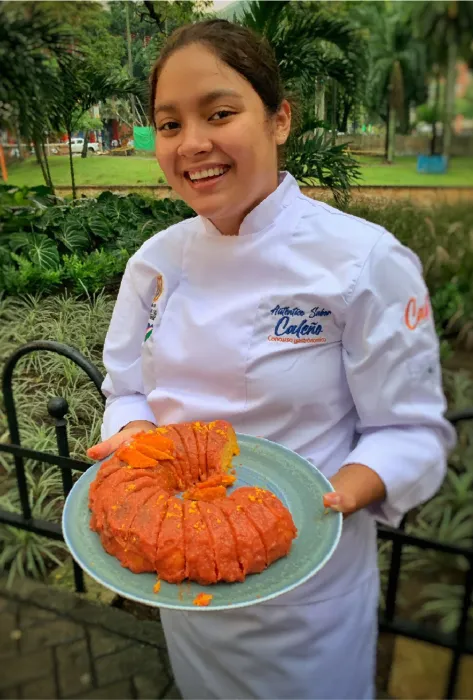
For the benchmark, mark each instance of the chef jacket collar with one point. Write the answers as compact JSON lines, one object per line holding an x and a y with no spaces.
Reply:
{"x":266,"y":213}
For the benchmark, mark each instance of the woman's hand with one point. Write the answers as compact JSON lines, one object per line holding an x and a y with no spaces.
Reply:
{"x":105,"y":448}
{"x":342,"y":502}
{"x":356,"y":486}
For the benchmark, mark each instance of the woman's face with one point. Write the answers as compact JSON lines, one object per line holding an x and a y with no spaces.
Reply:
{"x":215,"y":143}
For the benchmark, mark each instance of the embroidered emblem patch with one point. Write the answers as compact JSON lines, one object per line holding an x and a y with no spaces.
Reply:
{"x":294,"y":325}
{"x":154,"y":306}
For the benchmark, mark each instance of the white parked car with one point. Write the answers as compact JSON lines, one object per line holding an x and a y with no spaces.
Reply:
{"x":78,"y":144}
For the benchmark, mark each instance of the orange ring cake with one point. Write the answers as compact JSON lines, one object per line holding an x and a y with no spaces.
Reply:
{"x":160,"y":504}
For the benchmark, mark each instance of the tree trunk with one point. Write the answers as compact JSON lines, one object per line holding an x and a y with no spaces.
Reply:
{"x":39,"y":159}
{"x":386,"y":136}
{"x":334,"y":111}
{"x":406,"y":117}
{"x":130,"y":59}
{"x":347,"y":105}
{"x":450,"y":90}
{"x":86,"y":144}
{"x":433,"y":142}
{"x":391,"y":135}
{"x":46,"y":165}
{"x":71,"y":165}
{"x":319,"y":102}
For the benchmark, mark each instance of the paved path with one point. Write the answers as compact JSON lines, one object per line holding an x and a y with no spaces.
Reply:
{"x":55,"y":644}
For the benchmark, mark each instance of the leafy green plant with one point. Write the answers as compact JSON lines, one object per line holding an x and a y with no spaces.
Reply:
{"x":443,"y":603}
{"x":93,"y":272}
{"x":47,"y":243}
{"x":22,"y":276}
{"x":313,"y":160}
{"x":24,"y":553}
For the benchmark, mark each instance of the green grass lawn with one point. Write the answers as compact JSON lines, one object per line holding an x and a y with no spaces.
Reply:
{"x":93,"y":170}
{"x":404,"y":172}
{"x":134,"y":170}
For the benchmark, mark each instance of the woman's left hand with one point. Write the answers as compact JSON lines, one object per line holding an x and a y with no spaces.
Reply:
{"x":355,"y":486}
{"x":342,"y":502}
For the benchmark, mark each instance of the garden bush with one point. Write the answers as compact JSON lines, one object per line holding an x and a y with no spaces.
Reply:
{"x":47,"y":243}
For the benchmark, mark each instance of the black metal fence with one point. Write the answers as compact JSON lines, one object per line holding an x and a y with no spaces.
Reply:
{"x":458,"y":642}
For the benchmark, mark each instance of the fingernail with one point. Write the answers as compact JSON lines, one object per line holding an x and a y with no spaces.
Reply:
{"x":333,"y":499}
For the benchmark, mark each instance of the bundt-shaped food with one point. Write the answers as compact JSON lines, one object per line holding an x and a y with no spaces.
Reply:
{"x":161,"y":504}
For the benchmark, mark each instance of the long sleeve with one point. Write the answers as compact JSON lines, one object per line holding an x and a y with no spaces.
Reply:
{"x":391,"y":358}
{"x":123,"y":385}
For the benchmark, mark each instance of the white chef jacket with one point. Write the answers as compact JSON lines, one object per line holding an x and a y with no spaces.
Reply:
{"x":311,"y":328}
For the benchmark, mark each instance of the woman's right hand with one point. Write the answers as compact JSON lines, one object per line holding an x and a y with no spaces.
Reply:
{"x":105,"y":448}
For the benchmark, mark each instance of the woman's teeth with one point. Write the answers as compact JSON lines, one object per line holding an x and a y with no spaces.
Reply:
{"x":212,"y":172}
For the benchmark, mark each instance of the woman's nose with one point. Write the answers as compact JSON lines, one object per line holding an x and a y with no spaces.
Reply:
{"x":194,"y":140}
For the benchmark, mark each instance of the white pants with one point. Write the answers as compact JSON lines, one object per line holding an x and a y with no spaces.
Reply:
{"x":274,"y":651}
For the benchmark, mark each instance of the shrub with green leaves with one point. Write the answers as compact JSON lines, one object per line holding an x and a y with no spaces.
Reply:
{"x":47,"y":243}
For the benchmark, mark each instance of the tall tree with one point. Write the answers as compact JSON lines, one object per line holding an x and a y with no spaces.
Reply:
{"x":308,"y":43}
{"x":82,"y":87}
{"x":146,"y":25}
{"x":312,"y":46}
{"x":397,"y":66}
{"x":32,"y":47}
{"x":448,"y":26}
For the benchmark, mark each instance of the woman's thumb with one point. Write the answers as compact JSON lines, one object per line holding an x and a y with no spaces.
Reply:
{"x":105,"y":448}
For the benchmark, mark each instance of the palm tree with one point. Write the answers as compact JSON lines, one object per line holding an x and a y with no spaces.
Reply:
{"x":309,"y":43}
{"x":397,"y":60}
{"x":448,"y":27}
{"x":82,"y":87}
{"x":32,"y":48}
{"x":313,"y":48}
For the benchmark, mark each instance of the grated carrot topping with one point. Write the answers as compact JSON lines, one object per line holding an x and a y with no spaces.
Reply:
{"x":202,"y":600}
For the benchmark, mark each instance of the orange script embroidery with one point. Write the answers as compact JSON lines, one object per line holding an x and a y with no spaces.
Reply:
{"x":414,"y":315}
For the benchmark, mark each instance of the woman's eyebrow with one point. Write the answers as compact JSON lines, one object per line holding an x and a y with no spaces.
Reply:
{"x":203,"y":101}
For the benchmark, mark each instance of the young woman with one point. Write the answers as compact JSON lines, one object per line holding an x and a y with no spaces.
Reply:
{"x":295,"y":322}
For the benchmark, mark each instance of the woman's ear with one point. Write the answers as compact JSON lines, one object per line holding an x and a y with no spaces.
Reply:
{"x":282,"y":121}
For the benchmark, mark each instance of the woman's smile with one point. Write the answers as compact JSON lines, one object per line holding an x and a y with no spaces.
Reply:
{"x":206,"y":177}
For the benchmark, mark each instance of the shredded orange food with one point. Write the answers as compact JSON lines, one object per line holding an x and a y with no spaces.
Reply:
{"x":133,"y":458}
{"x":202,"y":600}
{"x":207,"y":494}
{"x":157,"y":587}
{"x":217,"y":480}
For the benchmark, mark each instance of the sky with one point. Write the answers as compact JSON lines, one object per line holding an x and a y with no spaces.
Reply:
{"x":220,"y":4}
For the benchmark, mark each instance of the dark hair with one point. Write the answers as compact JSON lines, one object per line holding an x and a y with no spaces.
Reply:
{"x":238,"y":47}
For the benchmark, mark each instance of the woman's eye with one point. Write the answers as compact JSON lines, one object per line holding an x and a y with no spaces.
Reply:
{"x":221,"y":114}
{"x":169,"y":126}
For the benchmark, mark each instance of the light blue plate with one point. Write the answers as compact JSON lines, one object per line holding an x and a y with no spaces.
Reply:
{"x":298,"y":484}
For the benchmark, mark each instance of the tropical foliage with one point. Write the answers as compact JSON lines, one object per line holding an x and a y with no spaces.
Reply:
{"x":446,"y":28}
{"x":83,"y":86}
{"x":32,"y":48}
{"x":397,"y":70}
{"x":313,"y":48}
{"x":47,"y":243}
